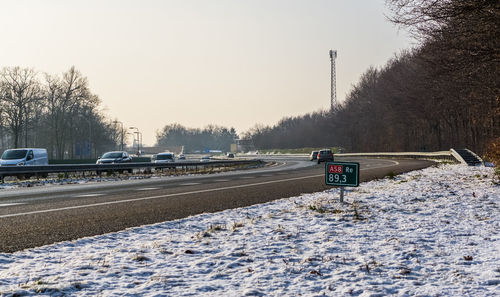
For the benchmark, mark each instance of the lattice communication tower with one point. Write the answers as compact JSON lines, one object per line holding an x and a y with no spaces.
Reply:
{"x":333,"y":88}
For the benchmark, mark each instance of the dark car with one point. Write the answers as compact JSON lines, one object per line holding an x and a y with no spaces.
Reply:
{"x":325,"y":155}
{"x":230,"y":155}
{"x":114,"y":157}
{"x":313,"y":156}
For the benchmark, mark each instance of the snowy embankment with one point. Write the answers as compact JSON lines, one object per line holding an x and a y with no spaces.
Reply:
{"x":433,"y":232}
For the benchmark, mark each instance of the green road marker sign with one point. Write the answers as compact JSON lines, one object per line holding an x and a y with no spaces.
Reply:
{"x":342,"y":174}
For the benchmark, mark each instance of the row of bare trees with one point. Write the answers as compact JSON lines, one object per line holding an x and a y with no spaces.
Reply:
{"x":59,"y":113}
{"x":211,"y":137}
{"x":443,"y":94}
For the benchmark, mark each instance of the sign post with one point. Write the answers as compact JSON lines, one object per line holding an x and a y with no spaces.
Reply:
{"x":342,"y":174}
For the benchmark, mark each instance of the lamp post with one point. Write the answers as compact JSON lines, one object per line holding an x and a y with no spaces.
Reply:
{"x":139,"y":139}
{"x":89,"y":119}
{"x":121,"y":132}
{"x":133,"y":137}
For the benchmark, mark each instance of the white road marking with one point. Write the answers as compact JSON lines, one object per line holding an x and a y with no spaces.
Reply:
{"x":377,"y":167}
{"x":88,"y":195}
{"x":247,"y":177}
{"x":222,"y":180}
{"x":189,"y":184}
{"x":10,"y":204}
{"x":146,"y":189}
{"x":156,"y":197}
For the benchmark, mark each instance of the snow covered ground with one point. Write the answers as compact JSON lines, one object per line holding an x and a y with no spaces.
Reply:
{"x":433,"y":232}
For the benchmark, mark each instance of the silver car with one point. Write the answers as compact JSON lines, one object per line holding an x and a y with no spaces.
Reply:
{"x":313,"y":156}
{"x":163,"y":158}
{"x":205,"y":159}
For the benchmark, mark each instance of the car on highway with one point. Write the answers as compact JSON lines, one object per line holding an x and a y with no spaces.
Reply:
{"x":163,"y":158}
{"x":24,"y":157}
{"x":325,"y":155}
{"x":230,"y":155}
{"x":313,"y":156}
{"x":181,"y":157}
{"x":205,"y":159}
{"x":114,"y":157}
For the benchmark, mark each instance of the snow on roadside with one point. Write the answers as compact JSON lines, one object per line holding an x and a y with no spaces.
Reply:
{"x":14,"y":183}
{"x":433,"y":232}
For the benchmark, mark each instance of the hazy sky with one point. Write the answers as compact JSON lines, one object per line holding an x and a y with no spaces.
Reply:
{"x":226,"y":62}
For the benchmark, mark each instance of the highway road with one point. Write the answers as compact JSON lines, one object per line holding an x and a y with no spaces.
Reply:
{"x":37,"y":216}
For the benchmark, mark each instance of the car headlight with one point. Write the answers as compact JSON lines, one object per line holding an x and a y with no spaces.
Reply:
{"x":21,"y":163}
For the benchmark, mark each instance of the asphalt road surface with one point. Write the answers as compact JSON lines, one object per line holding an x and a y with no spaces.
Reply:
{"x":43,"y":215}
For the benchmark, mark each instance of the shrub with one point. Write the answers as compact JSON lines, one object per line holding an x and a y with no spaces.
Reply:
{"x":493,"y":152}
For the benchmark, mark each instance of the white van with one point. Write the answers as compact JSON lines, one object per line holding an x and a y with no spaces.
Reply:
{"x":24,"y":157}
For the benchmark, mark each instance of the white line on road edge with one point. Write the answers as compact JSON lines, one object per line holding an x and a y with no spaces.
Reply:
{"x":168,"y":195}
{"x":156,"y":197}
{"x":146,"y":189}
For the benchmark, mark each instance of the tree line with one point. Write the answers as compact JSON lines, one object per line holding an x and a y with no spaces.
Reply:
{"x":442,"y":94}
{"x":59,"y":113}
{"x":211,"y":137}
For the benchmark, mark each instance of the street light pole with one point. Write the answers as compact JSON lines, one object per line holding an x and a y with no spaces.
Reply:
{"x":121,"y":132}
{"x":90,"y":135}
{"x":138,"y":140}
{"x":133,"y":136}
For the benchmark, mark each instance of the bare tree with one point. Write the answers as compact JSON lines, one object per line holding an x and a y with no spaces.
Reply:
{"x":66,"y":98}
{"x":19,"y":94}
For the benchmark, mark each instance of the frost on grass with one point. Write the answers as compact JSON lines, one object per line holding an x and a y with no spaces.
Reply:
{"x":433,"y":232}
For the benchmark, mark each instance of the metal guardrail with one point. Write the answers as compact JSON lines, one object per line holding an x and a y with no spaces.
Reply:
{"x":447,"y":155}
{"x":65,"y":168}
{"x":439,"y":155}
{"x":416,"y":155}
{"x":457,"y":156}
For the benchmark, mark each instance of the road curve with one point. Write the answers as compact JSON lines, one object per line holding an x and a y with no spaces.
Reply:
{"x":38,"y":216}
